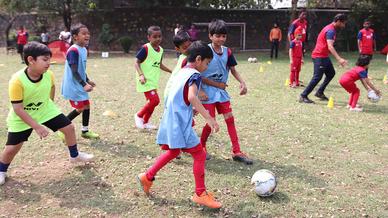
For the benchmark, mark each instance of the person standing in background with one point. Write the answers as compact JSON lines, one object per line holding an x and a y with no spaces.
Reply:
{"x":275,"y":37}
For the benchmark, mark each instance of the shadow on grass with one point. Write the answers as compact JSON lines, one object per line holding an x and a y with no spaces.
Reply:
{"x":85,"y":191}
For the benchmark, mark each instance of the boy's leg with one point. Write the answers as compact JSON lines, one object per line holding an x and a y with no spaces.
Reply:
{"x":225,"y":109}
{"x":201,"y":196}
{"x":292,"y":74}
{"x":146,"y":179}
{"x":355,"y":95}
{"x":153,"y":101}
{"x":211,"y":108}
{"x":298,"y":72}
{"x":86,"y":133}
{"x":64,"y":125}
{"x":13,"y":145}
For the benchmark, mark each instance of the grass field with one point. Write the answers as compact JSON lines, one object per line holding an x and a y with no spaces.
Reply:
{"x":329,"y":162}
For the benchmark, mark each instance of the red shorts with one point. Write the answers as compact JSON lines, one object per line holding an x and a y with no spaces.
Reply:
{"x":222,"y":108}
{"x":79,"y":104}
{"x":188,"y":150}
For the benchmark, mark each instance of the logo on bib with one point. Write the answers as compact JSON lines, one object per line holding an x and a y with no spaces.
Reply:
{"x":32,"y":106}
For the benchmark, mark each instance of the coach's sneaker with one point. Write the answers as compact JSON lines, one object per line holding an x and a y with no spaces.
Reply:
{"x":82,"y":158}
{"x":139,"y":122}
{"x":145,"y":184}
{"x":3,"y":175}
{"x":206,"y":199}
{"x":241,"y":157}
{"x":306,"y":100}
{"x":90,"y":135}
{"x":149,"y":126}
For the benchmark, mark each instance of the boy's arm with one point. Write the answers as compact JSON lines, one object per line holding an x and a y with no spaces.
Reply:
{"x":39,"y":129}
{"x":142,"y":79}
{"x":193,"y":99}
{"x":210,"y":82}
{"x":52,"y":92}
{"x":163,"y":67}
{"x":369,"y":85}
{"x":290,"y":54}
{"x":243,"y":86}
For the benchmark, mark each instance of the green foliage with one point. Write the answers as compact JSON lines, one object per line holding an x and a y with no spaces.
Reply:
{"x":34,"y":38}
{"x":105,"y":37}
{"x":218,"y":4}
{"x":126,"y":43}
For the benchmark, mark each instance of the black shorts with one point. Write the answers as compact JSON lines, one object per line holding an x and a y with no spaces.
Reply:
{"x":54,"y":124}
{"x":20,"y":48}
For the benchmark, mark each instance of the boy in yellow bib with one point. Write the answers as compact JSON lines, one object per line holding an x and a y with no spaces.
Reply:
{"x":31,"y":92}
{"x":148,"y":65}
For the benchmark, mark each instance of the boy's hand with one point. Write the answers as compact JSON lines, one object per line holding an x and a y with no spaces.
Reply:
{"x":213,"y":124}
{"x":92,"y":83}
{"x":142,"y":79}
{"x":222,"y":85}
{"x":41,"y":131}
{"x":378,"y":92}
{"x":88,"y":87}
{"x":342,"y":62}
{"x":302,"y":61}
{"x":202,"y":95}
{"x":243,"y":88}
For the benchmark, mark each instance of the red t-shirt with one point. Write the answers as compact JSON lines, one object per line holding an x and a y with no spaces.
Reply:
{"x":298,"y":23}
{"x":297,"y":48}
{"x":22,"y":37}
{"x":321,"y":49}
{"x":354,"y":74}
{"x":366,"y":37}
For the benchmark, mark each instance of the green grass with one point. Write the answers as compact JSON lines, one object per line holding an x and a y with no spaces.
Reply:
{"x":329,"y":162}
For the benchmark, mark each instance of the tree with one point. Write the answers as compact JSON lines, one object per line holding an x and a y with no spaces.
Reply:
{"x":10,"y":10}
{"x":66,"y":8}
{"x":218,"y":4}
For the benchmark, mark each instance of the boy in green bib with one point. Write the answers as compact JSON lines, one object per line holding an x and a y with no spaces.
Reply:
{"x":148,"y":65}
{"x":31,"y":92}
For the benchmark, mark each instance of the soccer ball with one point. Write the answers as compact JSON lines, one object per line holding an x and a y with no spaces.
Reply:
{"x":250,"y":60}
{"x":373,"y":97}
{"x":264,"y":182}
{"x":254,"y":60}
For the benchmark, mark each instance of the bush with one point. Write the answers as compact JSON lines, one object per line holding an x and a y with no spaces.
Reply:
{"x":126,"y":43}
{"x":34,"y":38}
{"x":105,"y":37}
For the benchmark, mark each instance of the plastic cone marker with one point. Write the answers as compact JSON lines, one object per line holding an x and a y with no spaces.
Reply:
{"x":330,"y":104}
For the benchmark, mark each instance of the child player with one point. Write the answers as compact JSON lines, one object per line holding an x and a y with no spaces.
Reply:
{"x":31,"y":92}
{"x":148,"y":65}
{"x":181,"y":42}
{"x":348,"y":81}
{"x":214,"y":85}
{"x":76,"y":84}
{"x":176,"y":133}
{"x":296,"y":58}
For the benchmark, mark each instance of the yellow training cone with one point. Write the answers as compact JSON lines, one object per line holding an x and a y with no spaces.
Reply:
{"x":269,"y":62}
{"x":109,"y":113}
{"x":287,"y":82}
{"x":261,"y":70}
{"x":385,"y":78}
{"x":330,"y":104}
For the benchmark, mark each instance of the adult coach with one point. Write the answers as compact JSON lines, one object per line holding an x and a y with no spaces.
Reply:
{"x":321,"y":60}
{"x":301,"y":24}
{"x":275,"y":36}
{"x":366,"y":40}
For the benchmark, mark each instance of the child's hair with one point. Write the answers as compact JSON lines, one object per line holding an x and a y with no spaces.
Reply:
{"x":153,"y":29}
{"x":199,"y":48}
{"x":363,"y":60}
{"x":180,"y":38}
{"x":35,"y":49}
{"x":77,"y":28}
{"x":340,"y":17}
{"x":217,"y":27}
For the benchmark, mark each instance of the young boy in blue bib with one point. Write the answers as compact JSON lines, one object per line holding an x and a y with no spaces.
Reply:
{"x":176,"y":133}
{"x":148,"y":65}
{"x":31,"y":92}
{"x":215,"y":80}
{"x":76,"y":84}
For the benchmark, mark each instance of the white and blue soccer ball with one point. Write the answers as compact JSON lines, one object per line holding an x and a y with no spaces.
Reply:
{"x":373,"y":97}
{"x":264,"y":182}
{"x":252,"y":60}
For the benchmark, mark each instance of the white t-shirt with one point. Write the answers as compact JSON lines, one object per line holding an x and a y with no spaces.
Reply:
{"x":65,"y":36}
{"x":387,"y":58}
{"x":176,"y":30}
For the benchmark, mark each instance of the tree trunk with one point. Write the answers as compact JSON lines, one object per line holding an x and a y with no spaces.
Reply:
{"x":67,"y":13}
{"x":294,"y":7}
{"x":7,"y":29}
